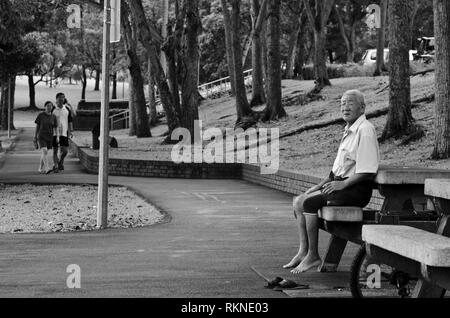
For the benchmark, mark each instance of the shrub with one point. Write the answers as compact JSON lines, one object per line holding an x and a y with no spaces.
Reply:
{"x":340,"y":70}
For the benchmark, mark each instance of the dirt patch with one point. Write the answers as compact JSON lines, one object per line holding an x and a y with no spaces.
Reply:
{"x":63,"y":208}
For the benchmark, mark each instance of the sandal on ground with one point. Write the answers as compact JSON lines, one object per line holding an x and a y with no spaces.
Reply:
{"x":289,"y":285}
{"x":274,"y":282}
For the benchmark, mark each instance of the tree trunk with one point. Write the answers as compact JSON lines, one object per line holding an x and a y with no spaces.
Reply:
{"x":12,"y":87}
{"x":320,"y":64}
{"x":416,"y":6}
{"x":189,"y":68}
{"x":243,"y":109}
{"x":4,"y":103}
{"x":137,"y":99}
{"x":229,"y":46}
{"x":146,"y":37}
{"x":138,"y":108}
{"x":83,"y":82}
{"x":4,"y":106}
{"x":171,"y":58}
{"x":344,"y":35}
{"x":151,"y":98}
{"x":318,"y":21}
{"x":114,"y":86}
{"x":97,"y":80}
{"x":381,"y":40}
{"x":292,"y":52}
{"x":274,"y":108}
{"x":442,"y":109}
{"x":351,"y":54}
{"x":131,"y":106}
{"x":400,"y":121}
{"x":32,"y":91}
{"x":258,"y":96}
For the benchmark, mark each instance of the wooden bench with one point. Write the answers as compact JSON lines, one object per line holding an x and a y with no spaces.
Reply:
{"x":419,"y":253}
{"x":344,"y":223}
{"x":403,"y":192}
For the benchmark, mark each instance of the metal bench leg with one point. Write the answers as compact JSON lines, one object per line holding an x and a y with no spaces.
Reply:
{"x":424,"y":289}
{"x":336,"y":247}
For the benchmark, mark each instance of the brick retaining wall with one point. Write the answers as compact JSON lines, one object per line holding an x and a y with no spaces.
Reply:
{"x":287,"y":181}
{"x":155,"y":168}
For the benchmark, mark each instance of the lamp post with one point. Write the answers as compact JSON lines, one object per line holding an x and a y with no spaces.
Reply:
{"x":102,"y":206}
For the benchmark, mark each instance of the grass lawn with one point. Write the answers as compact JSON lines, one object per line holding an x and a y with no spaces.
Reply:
{"x":72,"y":91}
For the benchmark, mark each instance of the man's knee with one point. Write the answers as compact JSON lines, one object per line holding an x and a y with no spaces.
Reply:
{"x":298,"y":203}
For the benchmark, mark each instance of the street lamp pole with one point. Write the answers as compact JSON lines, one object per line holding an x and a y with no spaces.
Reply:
{"x":102,"y":206}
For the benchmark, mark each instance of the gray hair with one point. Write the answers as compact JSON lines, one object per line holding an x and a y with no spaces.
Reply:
{"x":359,"y":97}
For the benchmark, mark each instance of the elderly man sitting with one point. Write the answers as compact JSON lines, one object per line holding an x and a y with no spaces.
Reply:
{"x":349,"y":182}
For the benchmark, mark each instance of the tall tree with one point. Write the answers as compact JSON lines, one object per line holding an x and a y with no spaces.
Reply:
{"x":400,"y":121}
{"x":348,"y":13}
{"x":10,"y":61}
{"x":298,"y":19}
{"x":258,"y":14}
{"x":229,"y":46}
{"x":379,"y":66}
{"x":151,"y":41}
{"x":243,"y":109}
{"x":151,"y":97}
{"x":442,"y":109}
{"x":274,"y":108}
{"x":189,"y":65}
{"x":138,"y":109}
{"x":318,"y":19}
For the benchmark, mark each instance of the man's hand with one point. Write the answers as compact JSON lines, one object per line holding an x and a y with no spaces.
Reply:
{"x":70,"y":135}
{"x":313,"y":189}
{"x":333,"y":186}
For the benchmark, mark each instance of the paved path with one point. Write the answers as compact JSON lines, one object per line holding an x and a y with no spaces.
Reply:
{"x":216,"y":230}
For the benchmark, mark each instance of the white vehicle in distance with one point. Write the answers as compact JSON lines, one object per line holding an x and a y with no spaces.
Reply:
{"x":370,"y":56}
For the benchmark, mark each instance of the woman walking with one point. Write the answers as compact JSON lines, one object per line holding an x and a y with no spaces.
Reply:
{"x":45,"y":130}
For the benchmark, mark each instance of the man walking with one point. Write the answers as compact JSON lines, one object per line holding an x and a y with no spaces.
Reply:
{"x":64,"y":130}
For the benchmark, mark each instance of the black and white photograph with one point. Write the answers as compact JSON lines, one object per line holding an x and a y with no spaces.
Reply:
{"x":230,"y":155}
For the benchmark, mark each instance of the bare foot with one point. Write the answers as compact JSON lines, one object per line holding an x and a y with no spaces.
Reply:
{"x":307,"y":264}
{"x":296,"y":260}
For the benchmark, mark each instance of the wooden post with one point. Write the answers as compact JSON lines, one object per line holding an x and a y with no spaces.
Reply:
{"x":102,"y":206}
{"x":9,"y":107}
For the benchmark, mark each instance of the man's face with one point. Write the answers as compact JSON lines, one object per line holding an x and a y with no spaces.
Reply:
{"x":60,"y":99}
{"x":351,"y":110}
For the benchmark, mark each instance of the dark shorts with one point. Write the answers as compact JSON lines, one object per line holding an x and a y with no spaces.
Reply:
{"x":45,"y":143}
{"x":63,"y":142}
{"x":357,"y":195}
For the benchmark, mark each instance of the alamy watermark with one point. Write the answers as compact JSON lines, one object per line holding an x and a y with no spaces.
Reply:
{"x":73,"y":281}
{"x":374,"y":279}
{"x":232,"y":146}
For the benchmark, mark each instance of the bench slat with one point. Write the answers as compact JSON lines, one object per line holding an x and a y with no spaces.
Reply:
{"x":341,"y":214}
{"x":427,"y":248}
{"x":439,"y":188}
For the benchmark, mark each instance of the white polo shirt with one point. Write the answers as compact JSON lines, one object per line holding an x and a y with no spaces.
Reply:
{"x":358,"y":151}
{"x":63,"y":117}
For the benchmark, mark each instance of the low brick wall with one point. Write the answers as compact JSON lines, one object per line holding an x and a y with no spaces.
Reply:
{"x":286,"y":181}
{"x":157,"y":169}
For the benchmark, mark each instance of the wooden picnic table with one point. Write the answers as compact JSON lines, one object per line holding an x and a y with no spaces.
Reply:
{"x":421,"y":254}
{"x":403,"y":187}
